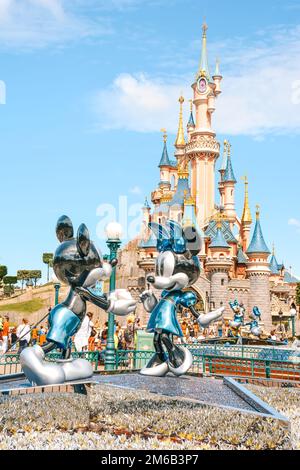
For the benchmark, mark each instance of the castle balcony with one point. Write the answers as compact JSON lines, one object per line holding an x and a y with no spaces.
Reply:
{"x":147,"y":264}
{"x":203,"y":144}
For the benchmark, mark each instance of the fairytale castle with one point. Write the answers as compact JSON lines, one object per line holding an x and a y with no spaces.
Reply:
{"x":235,"y":258}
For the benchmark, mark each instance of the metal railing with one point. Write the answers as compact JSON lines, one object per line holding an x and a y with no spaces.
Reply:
{"x":219,"y":360}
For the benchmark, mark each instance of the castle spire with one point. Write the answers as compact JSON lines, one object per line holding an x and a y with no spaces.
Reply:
{"x":203,"y":67}
{"x":274,"y":266}
{"x":191,"y":122}
{"x":229,"y":174}
{"x":246,"y":218}
{"x":224,"y":160}
{"x":258,"y":244}
{"x":217,"y":70}
{"x":165,"y":161}
{"x":180,"y":140}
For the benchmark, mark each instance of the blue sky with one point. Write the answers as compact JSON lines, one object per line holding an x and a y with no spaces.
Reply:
{"x":89,"y":85}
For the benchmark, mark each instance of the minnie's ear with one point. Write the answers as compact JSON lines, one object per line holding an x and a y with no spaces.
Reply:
{"x":83,"y":240}
{"x":193,"y":240}
{"x":64,"y":228}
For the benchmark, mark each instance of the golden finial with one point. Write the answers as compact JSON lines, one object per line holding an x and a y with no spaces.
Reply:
{"x":257,"y":212}
{"x":204,"y":27}
{"x":246,"y":218}
{"x":180,"y":140}
{"x":273,"y":251}
{"x":219,"y":217}
{"x":165,"y":135}
{"x":191,"y":105}
{"x":228,"y":146}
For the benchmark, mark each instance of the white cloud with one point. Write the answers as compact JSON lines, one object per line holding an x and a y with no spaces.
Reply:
{"x":138,"y":103}
{"x":37,"y":23}
{"x":261,"y":90}
{"x":135,"y":190}
{"x":295,"y":223}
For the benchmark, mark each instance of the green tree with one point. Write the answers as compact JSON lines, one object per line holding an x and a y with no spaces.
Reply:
{"x":35,"y":275}
{"x":3,"y":271}
{"x":48,"y":259}
{"x":298,"y":294}
{"x":23,"y":275}
{"x":9,"y":282}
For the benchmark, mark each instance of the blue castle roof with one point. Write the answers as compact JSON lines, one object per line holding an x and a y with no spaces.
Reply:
{"x":241,"y":257}
{"x":164,"y":161}
{"x":191,"y":122}
{"x":274,"y":266}
{"x":211,"y":231}
{"x":150,"y":243}
{"x":229,"y":174}
{"x":219,"y":240}
{"x":290,"y":279}
{"x":258,"y":244}
{"x":181,"y":191}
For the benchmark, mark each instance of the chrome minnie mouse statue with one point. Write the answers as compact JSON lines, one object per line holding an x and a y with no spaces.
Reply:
{"x":78,"y":263}
{"x":177,"y":268}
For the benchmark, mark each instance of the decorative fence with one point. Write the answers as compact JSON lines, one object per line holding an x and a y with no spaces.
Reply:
{"x":215,"y":360}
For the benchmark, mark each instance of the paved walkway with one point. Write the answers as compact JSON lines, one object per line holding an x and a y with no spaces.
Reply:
{"x":208,"y":390}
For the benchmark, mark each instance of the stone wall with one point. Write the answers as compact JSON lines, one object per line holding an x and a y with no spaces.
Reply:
{"x":260,"y":296}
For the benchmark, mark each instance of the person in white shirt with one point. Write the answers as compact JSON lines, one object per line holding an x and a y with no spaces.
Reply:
{"x":293,"y":311}
{"x":23,"y":334}
{"x":81,"y":339}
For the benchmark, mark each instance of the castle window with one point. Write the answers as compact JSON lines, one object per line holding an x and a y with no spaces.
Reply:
{"x":222,"y":282}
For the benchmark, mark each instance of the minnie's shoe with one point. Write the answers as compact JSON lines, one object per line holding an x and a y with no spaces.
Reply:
{"x":155,"y":368}
{"x":186,"y":364}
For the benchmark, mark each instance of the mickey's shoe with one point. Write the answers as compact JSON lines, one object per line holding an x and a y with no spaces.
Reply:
{"x":155,"y":368}
{"x":41,"y":372}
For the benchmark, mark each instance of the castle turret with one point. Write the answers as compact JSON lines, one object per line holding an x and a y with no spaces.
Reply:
{"x":165,"y":164}
{"x":218,"y":266}
{"x":203,"y":149}
{"x":146,"y":209}
{"x":217,"y":78}
{"x":191,"y":124}
{"x":258,"y":272}
{"x":246,"y":219}
{"x":222,"y":173}
{"x":229,"y":183}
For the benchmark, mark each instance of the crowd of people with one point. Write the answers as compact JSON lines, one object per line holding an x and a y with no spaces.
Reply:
{"x":16,"y":338}
{"x":92,"y":336}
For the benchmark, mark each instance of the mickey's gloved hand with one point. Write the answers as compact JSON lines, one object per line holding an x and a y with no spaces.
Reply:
{"x":121,"y":303}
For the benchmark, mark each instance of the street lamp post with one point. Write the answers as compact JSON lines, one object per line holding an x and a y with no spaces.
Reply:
{"x":57,"y":287}
{"x":280,"y":313}
{"x":113,"y":232}
{"x":292,"y":318}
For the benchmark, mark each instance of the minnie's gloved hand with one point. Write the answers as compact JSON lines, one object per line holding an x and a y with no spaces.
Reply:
{"x":121,"y":302}
{"x":206,"y":319}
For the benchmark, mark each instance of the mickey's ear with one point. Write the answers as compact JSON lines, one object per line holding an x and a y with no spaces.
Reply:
{"x":64,"y":228}
{"x":83,"y":240}
{"x":193,"y":240}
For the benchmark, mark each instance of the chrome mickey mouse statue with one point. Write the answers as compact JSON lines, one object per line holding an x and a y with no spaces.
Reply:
{"x":78,"y":263}
{"x":177,"y":268}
